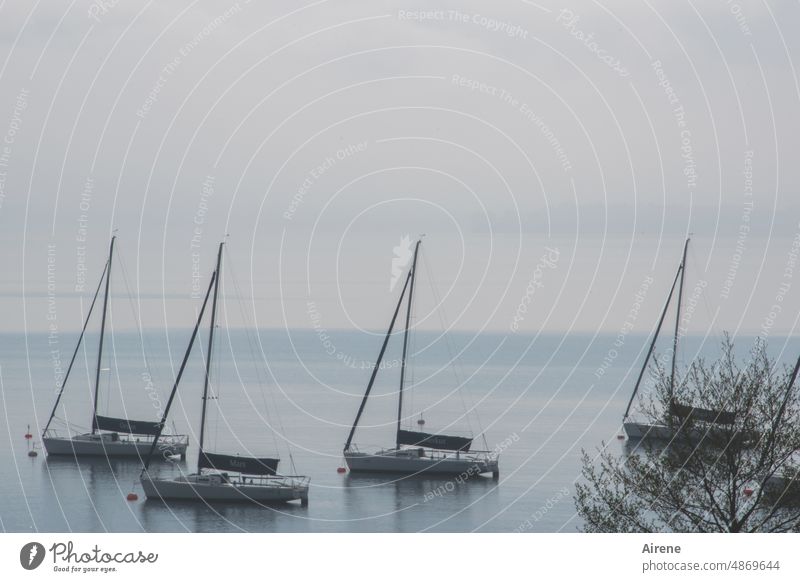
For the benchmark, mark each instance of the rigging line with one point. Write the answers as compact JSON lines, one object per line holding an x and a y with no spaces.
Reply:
{"x":465,"y":397}
{"x":442,"y":324}
{"x":410,"y":302}
{"x":218,"y":370}
{"x":217,"y":365}
{"x":113,"y":364}
{"x":217,"y":380}
{"x":180,"y":375}
{"x":678,"y":318}
{"x":652,"y":344}
{"x":259,"y":377}
{"x":215,"y":387}
{"x":412,"y":342}
{"x":210,"y":348}
{"x":202,"y":350}
{"x":250,"y":343}
{"x":70,"y":425}
{"x":102,"y":334}
{"x":456,"y":367}
{"x":376,"y":366}
{"x":86,"y":367}
{"x":716,"y":331}
{"x":469,"y":407}
{"x":111,"y":357}
{"x":143,"y":343}
{"x":410,"y":351}
{"x":681,"y":351}
{"x":137,"y":316}
{"x":75,"y":353}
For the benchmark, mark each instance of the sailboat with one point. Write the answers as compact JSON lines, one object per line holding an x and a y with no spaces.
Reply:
{"x":220,"y":477}
{"x":691,"y":422}
{"x":415,"y":452}
{"x":110,"y":437}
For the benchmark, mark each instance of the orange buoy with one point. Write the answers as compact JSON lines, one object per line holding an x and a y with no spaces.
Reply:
{"x":33,"y":454}
{"x":748,"y":492}
{"x":341,"y":470}
{"x":132,"y":497}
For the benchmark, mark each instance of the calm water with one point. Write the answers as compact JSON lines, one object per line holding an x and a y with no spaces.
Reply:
{"x":538,"y":395}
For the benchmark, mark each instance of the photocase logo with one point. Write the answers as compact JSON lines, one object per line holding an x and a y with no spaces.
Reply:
{"x":31,"y":555}
{"x":400,"y":260}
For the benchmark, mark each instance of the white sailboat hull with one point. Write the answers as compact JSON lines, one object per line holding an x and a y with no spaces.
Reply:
{"x":392,"y":462}
{"x":661,"y":433}
{"x":210,"y":489}
{"x":786,"y":482}
{"x":104,"y":446}
{"x":778,"y":483}
{"x":648,"y":431}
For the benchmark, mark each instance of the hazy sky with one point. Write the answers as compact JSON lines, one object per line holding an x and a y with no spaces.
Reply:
{"x":554,"y":154}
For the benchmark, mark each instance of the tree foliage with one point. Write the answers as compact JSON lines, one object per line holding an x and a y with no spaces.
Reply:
{"x":732,"y":476}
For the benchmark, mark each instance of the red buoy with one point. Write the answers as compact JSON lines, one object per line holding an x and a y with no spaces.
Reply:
{"x":341,"y":470}
{"x":748,"y":492}
{"x":132,"y":497}
{"x":621,"y":437}
{"x":28,"y":434}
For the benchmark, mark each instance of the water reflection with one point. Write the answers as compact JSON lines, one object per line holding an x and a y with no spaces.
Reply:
{"x":87,"y":493}
{"x":414,"y":503}
{"x":194,"y":516}
{"x":638,"y":447}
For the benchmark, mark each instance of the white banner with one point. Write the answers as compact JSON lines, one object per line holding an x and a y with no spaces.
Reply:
{"x":389,"y":557}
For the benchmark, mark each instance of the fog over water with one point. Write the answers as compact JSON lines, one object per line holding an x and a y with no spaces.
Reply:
{"x":555,"y":156}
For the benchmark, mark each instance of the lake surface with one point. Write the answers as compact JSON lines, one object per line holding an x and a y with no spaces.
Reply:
{"x":295,"y":392}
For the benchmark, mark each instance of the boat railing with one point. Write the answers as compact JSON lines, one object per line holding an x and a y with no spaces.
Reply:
{"x":285,"y":480}
{"x":165,"y":439}
{"x":173,"y":439}
{"x":53,"y":433}
{"x":439,"y":454}
{"x":354,"y":448}
{"x":481,"y":456}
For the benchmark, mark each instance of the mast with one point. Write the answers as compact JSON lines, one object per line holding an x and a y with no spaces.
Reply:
{"x":653,"y":343}
{"x":180,"y":374}
{"x":102,"y":334}
{"x":678,"y":319}
{"x":75,"y":353}
{"x":412,"y":275}
{"x":377,"y":365}
{"x":210,"y":346}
